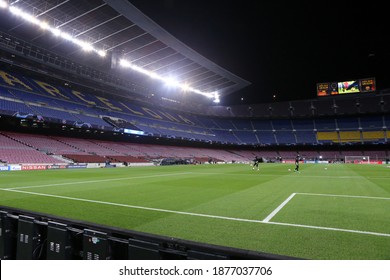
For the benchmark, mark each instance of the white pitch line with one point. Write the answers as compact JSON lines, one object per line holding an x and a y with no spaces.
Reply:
{"x":270,"y":216}
{"x":201,"y":215}
{"x":97,"y":181}
{"x":347,"y":196}
{"x":332,"y":229}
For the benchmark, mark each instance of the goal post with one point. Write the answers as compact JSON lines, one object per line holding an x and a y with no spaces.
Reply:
{"x":357,"y":159}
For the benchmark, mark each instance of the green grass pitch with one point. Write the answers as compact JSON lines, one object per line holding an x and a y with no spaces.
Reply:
{"x":338,"y":211}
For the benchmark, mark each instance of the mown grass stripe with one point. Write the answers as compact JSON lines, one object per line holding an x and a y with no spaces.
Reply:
{"x":99,"y":181}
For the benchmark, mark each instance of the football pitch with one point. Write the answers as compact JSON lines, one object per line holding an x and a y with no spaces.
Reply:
{"x":338,"y":211}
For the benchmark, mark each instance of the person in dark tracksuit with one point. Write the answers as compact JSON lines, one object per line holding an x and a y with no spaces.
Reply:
{"x":297,"y":159}
{"x":256,"y":162}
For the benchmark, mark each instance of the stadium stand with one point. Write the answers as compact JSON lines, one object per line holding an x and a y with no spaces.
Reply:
{"x":64,"y":106}
{"x":331,"y":155}
{"x":376,"y":155}
{"x":34,"y":100}
{"x":15,"y":151}
{"x":45,"y":144}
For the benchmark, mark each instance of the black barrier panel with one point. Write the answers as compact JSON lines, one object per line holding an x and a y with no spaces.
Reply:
{"x":95,"y":245}
{"x":8,"y":232}
{"x":76,"y":243}
{"x":143,"y":250}
{"x":27,"y":238}
{"x":197,"y":255}
{"x":58,"y":243}
{"x":118,"y":248}
{"x":44,"y":237}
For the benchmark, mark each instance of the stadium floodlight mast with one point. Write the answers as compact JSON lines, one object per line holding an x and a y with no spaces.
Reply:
{"x":88,"y":47}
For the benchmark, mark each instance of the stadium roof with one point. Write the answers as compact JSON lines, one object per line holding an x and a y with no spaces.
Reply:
{"x":122,"y":32}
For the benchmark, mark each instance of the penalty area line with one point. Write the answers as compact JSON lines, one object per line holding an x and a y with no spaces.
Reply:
{"x":346,"y":196}
{"x":277,"y":209}
{"x":332,"y":229}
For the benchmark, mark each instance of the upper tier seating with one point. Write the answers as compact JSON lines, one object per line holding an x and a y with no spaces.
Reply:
{"x":24,"y":97}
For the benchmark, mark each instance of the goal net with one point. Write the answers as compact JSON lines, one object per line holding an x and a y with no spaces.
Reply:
{"x":357,"y":159}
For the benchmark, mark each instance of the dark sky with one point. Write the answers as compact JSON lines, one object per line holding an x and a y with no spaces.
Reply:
{"x":282,"y":47}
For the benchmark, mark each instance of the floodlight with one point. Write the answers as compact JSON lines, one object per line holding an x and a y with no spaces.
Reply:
{"x":124,"y":63}
{"x":86,"y":46}
{"x":155,"y":76}
{"x":30,"y":18}
{"x":185,"y":87}
{"x":66,"y":36}
{"x":196,"y":90}
{"x":15,"y":11}
{"x":44,"y":25}
{"x":3,"y":4}
{"x":216,"y":97}
{"x":89,"y":48}
{"x":171,"y":82}
{"x":102,"y":53}
{"x":56,"y":32}
{"x":141,"y":70}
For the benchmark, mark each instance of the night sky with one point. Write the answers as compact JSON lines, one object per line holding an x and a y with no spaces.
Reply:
{"x":284,"y":48}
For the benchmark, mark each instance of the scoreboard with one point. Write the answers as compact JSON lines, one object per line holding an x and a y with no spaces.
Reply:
{"x":346,"y":87}
{"x":324,"y":89}
{"x":367,"y":85}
